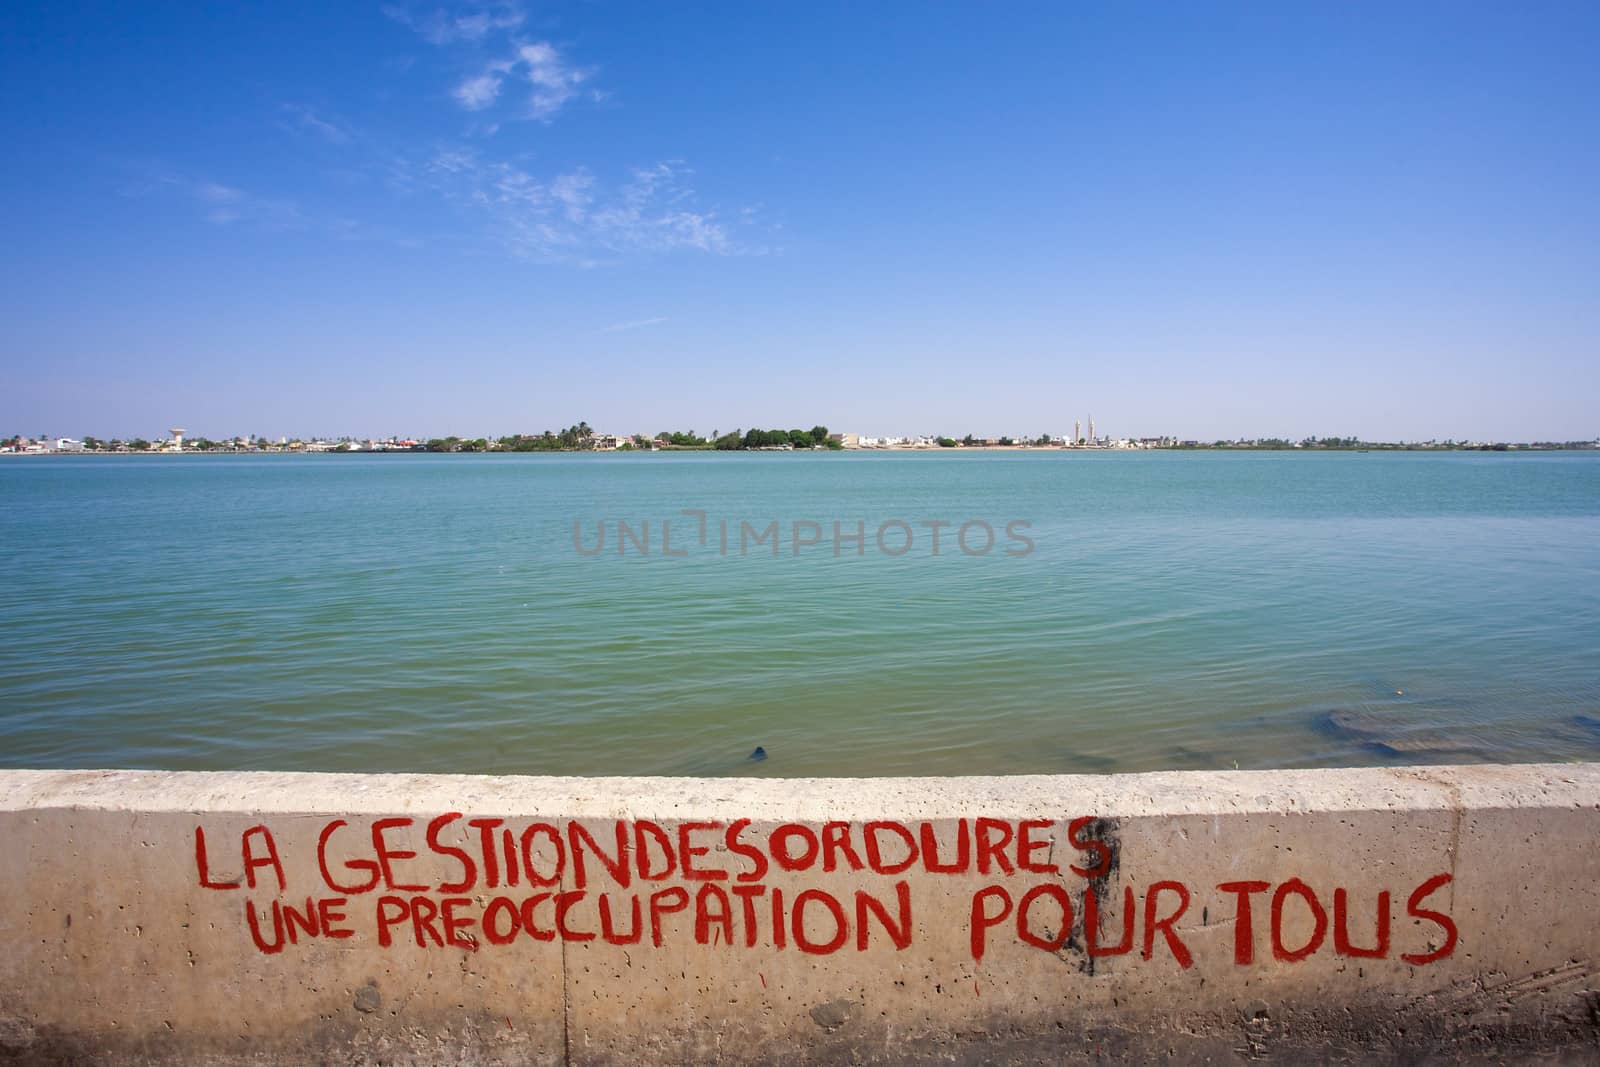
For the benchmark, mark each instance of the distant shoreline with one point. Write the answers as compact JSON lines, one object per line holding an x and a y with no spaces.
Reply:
{"x":897,"y":449}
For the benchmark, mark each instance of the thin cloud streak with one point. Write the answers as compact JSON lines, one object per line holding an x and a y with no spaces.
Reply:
{"x":301,"y":120}
{"x":637,"y":325}
{"x":232,"y":206}
{"x":439,"y":27}
{"x":222,"y":205}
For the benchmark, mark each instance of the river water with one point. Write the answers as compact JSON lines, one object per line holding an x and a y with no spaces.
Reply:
{"x":1083,"y":612}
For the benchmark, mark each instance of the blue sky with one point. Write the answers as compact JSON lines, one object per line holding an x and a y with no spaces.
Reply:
{"x":1199,"y":219}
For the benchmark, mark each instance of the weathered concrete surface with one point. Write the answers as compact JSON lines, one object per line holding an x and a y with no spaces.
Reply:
{"x":124,"y":943}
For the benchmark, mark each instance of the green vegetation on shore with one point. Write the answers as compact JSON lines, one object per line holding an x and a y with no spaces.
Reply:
{"x":582,"y":438}
{"x":816,"y":437}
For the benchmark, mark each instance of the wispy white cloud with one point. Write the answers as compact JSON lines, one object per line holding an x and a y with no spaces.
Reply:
{"x":468,"y":25}
{"x":552,"y":214}
{"x":551,"y":80}
{"x":300,"y":119}
{"x":478,"y":92}
{"x":618,"y":327}
{"x":571,"y":217}
{"x":236,"y":207}
{"x":215,"y":193}
{"x":654,"y":213}
{"x":499,"y":57}
{"x":554,"y":80}
{"x":221,"y":204}
{"x":573,"y":193}
{"x":346,"y":229}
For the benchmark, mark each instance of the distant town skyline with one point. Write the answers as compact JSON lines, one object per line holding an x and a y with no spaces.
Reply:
{"x":1206,"y":221}
{"x":582,"y":437}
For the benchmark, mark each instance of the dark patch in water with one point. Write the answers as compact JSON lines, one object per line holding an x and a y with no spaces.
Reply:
{"x":1184,"y":756}
{"x":1399,"y":734}
{"x":759,"y":754}
{"x":1348,"y":724}
{"x":1088,"y":763}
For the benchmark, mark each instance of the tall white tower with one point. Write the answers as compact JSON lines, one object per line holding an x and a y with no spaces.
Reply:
{"x":1091,"y":429}
{"x":177,"y":439}
{"x":1077,"y":432}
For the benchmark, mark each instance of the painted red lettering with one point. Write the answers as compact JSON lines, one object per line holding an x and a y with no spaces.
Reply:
{"x":1319,"y":921}
{"x":1244,"y":938}
{"x":875,"y":851}
{"x":641,"y":850}
{"x":899,"y":932}
{"x":454,"y":924}
{"x":1102,"y":852}
{"x":688,"y":850}
{"x":659,"y":907}
{"x":994,"y":850}
{"x":757,"y":858}
{"x":778,"y":845}
{"x":534,"y":877}
{"x":930,"y":850}
{"x":508,"y":844}
{"x":469,"y":870}
{"x":747,"y":899}
{"x":268,"y":858}
{"x":305,"y":921}
{"x":496,"y":907}
{"x":1063,"y":924}
{"x":616,"y":865}
{"x":841,"y":926}
{"x":1026,"y":847}
{"x":491,"y":865}
{"x":535,"y":931}
{"x":608,"y":929}
{"x":329,"y":913}
{"x":836,"y":841}
{"x":705,"y":917}
{"x":351,"y":865}
{"x":564,"y":901}
{"x":1415,"y":909}
{"x":1341,"y":928}
{"x":204,"y":866}
{"x":1180,"y":951}
{"x":274,"y":946}
{"x":981,"y":919}
{"x":1091,"y":923}
{"x":423,"y":912}
{"x":391,"y":912}
{"x":386,"y":855}
{"x":779,"y":937}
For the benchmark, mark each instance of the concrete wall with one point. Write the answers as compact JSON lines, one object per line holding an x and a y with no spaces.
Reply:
{"x":180,"y":917}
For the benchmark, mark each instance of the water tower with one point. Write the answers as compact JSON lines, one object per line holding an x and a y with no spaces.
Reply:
{"x":177,"y":439}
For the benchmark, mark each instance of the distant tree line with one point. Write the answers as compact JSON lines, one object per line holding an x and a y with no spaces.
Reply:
{"x":816,"y":437}
{"x":573,"y":438}
{"x":582,"y":437}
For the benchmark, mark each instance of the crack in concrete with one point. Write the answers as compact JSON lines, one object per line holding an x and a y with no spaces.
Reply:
{"x":566,"y":991}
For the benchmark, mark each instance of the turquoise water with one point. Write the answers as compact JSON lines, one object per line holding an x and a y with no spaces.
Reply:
{"x":1176,"y":610}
